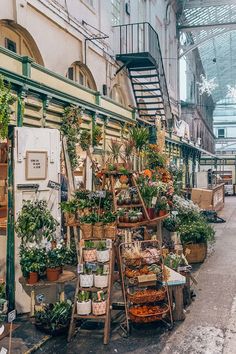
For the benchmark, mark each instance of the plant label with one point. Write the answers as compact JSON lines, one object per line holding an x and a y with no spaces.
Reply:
{"x":11,"y":316}
{"x":108,"y":243}
{"x":154,"y":200}
{"x":54,"y":185}
{"x":3,"y":350}
{"x":106,"y":269}
{"x":91,"y":266}
{"x":40,"y":298}
{"x":80,"y":268}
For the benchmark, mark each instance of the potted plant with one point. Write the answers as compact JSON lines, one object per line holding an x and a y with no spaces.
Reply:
{"x":84,"y":207}
{"x":128,"y":149}
{"x":194,"y":237}
{"x":162,"y":206}
{"x":86,"y":279}
{"x":100,"y":278}
{"x":54,"y":263}
{"x":115,"y":151}
{"x":35,"y":222}
{"x":103,"y":253}
{"x":89,"y":251}
{"x":98,"y":230}
{"x":135,"y":198}
{"x":133,"y":216}
{"x":98,"y":303}
{"x":33,"y":262}
{"x":121,"y":214}
{"x":84,"y":303}
{"x":172,"y":224}
{"x":110,"y":227}
{"x":54,"y":319}
{"x":69,"y":209}
{"x":86,"y":226}
{"x":140,"y":215}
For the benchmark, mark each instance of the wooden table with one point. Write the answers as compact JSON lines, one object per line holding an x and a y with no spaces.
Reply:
{"x":65,"y":277}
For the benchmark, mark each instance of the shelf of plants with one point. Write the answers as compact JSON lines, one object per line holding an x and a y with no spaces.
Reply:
{"x":143,"y":272}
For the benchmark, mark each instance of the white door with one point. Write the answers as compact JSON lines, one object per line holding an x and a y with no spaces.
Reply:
{"x":36,"y":161}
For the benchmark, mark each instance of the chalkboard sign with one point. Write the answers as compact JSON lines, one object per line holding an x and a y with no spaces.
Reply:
{"x":97,"y":194}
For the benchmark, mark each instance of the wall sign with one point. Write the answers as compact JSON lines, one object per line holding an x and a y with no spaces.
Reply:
{"x":36,"y":165}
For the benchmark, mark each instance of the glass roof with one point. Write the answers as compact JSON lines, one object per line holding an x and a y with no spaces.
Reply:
{"x":210,"y":25}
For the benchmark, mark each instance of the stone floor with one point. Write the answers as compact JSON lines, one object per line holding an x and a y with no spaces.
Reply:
{"x":210,"y":324}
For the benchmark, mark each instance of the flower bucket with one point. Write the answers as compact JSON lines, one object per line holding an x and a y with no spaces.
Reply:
{"x":70,"y":218}
{"x":90,"y":255}
{"x":99,"y":308}
{"x":86,"y":280}
{"x":84,"y":307}
{"x":101,"y":281}
{"x":162,"y":213}
{"x":87,"y":231}
{"x":195,"y":252}
{"x":98,"y":230}
{"x":110,"y":230}
{"x":103,"y":256}
{"x":53,"y":274}
{"x":32,"y":278}
{"x":151,"y":213}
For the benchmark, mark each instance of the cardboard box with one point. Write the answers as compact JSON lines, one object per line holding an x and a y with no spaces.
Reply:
{"x":202,"y":197}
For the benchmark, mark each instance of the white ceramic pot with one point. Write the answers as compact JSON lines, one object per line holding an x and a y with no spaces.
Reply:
{"x":90,"y":255}
{"x":99,"y":308}
{"x":86,"y":280}
{"x":84,"y":307}
{"x":103,"y":256}
{"x":101,"y":281}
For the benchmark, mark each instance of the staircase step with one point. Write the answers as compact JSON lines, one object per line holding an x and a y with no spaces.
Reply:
{"x":151,"y":115}
{"x":147,"y":90}
{"x":148,"y":96}
{"x":159,"y":104}
{"x":147,"y":76}
{"x":143,"y":68}
{"x":146,"y":83}
{"x":149,"y":109}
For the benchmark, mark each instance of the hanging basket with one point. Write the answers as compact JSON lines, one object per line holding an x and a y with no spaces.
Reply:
{"x":98,"y":230}
{"x":87,"y":231}
{"x":110,"y":230}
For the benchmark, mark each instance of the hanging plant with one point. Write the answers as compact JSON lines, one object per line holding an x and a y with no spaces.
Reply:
{"x":85,"y":140}
{"x":6,"y":100}
{"x":97,"y":135}
{"x":70,"y":128}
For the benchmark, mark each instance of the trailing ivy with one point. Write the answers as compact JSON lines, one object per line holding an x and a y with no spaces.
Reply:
{"x":70,"y":128}
{"x":6,"y":100}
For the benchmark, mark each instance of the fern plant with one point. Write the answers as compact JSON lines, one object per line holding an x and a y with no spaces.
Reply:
{"x":6,"y":100}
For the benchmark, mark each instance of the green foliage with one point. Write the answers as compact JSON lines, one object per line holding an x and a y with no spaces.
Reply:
{"x":2,"y":290}
{"x":101,"y":246}
{"x":32,"y":260}
{"x":70,"y":206}
{"x":97,"y":134}
{"x":55,"y":258}
{"x":54,"y":316}
{"x":109,"y":217}
{"x":98,"y":297}
{"x":70,"y":128}
{"x":162,"y":204}
{"x":85,"y":140}
{"x":81,"y":194}
{"x":140,"y":137}
{"x":87,"y":219}
{"x":154,"y":157}
{"x":124,"y":171}
{"x":197,"y":231}
{"x":83,"y":296}
{"x":6,"y":100}
{"x":115,"y":147}
{"x":173,"y":261}
{"x":35,"y":222}
{"x":172,"y":223}
{"x":89,"y":245}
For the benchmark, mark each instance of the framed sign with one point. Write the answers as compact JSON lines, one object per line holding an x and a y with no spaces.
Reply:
{"x":36,"y":165}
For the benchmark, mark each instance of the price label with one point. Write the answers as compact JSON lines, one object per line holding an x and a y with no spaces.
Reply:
{"x":40,"y":298}
{"x":106,"y":269}
{"x":80,"y":268}
{"x":11,"y":316}
{"x":154,"y":200}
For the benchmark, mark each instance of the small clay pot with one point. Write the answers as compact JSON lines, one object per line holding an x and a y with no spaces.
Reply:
{"x":162,"y":213}
{"x":126,"y":218}
{"x":32,"y":278}
{"x":53,"y":274}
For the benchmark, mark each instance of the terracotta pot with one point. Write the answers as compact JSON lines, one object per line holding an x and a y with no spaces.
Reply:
{"x":99,"y":308}
{"x":151,"y":213}
{"x":126,"y":218}
{"x":90,"y":255}
{"x":53,"y":274}
{"x":162,"y":213}
{"x":84,"y":307}
{"x":32,"y":278}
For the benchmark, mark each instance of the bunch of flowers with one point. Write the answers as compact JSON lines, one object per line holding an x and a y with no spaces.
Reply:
{"x":186,"y":208}
{"x":196,"y":232}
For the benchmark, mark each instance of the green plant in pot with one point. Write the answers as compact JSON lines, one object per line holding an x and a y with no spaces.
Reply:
{"x":84,"y":303}
{"x":115,"y":150}
{"x":110,"y":224}
{"x":98,"y":229}
{"x":98,"y":303}
{"x":103,"y":253}
{"x":69,"y":209}
{"x":3,"y":302}
{"x":172,"y":224}
{"x":86,"y":279}
{"x":86,"y":226}
{"x":121,"y":214}
{"x":54,"y":319}
{"x":33,"y":263}
{"x":162,"y":206}
{"x":53,"y":264}
{"x":35,"y":222}
{"x":128,"y":149}
{"x":133,"y":216}
{"x":100,"y":278}
{"x":89,"y":251}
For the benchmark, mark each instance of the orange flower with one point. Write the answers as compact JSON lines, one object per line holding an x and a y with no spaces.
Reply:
{"x":147,"y":173}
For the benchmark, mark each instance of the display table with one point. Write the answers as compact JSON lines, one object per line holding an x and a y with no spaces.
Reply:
{"x":65,"y":277}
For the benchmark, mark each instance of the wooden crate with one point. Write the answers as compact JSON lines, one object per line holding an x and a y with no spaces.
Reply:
{"x":195,"y":253}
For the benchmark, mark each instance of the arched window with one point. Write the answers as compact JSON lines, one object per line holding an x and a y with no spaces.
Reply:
{"x":18,"y":40}
{"x":78,"y":72}
{"x":117,"y":95}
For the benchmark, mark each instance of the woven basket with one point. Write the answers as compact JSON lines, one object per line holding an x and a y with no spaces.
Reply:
{"x":87,"y":231}
{"x":150,"y":317}
{"x":98,"y":231}
{"x":70,"y":218}
{"x":110,"y":230}
{"x":149,"y":295}
{"x":197,"y":254}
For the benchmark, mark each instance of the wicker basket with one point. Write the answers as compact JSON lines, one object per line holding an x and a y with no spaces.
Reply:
{"x":149,"y":295}
{"x":70,"y":218}
{"x":98,"y":231}
{"x":149,"y":317}
{"x":195,"y":252}
{"x":87,"y":231}
{"x":110,"y":230}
